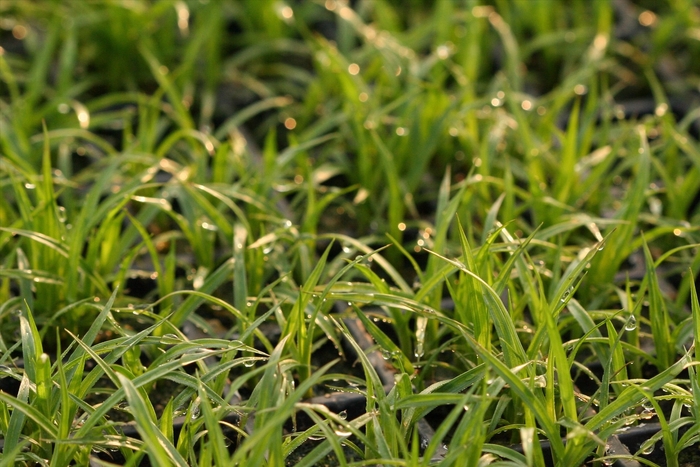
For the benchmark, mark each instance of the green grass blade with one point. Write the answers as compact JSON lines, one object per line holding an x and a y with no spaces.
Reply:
{"x":215,"y":438}
{"x":25,"y":409}
{"x":695,"y":310}
{"x":514,"y":353}
{"x":18,"y":417}
{"x":658,"y":316}
{"x":630,"y":397}
{"x":390,"y":351}
{"x":159,"y":449}
{"x":532,"y":400}
{"x":211,"y":283}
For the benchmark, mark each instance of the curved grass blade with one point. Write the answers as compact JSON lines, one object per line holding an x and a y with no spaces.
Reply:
{"x":513,"y":351}
{"x":160,"y":450}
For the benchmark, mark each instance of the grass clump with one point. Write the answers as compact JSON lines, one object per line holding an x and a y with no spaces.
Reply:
{"x":476,"y":222}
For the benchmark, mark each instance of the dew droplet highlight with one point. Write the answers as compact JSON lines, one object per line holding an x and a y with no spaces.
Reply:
{"x":421,"y":324}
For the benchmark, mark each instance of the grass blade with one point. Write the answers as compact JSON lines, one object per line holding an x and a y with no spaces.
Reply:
{"x":658,"y":316}
{"x":160,"y":450}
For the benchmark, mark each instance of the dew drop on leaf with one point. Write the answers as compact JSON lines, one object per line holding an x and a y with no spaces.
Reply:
{"x":420,"y":351}
{"x":61,"y":214}
{"x":421,"y":324}
{"x":566,"y":295}
{"x":647,"y":448}
{"x":169,"y":339}
{"x":194,"y":412}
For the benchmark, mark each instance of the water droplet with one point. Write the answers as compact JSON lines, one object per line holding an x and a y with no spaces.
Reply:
{"x":287,"y":223}
{"x":343,"y":415}
{"x":194,"y":413}
{"x":647,"y":448}
{"x":169,"y":339}
{"x":631,"y":323}
{"x":61,"y":214}
{"x":421,"y":324}
{"x":419,"y":351}
{"x":566,"y":294}
{"x":29,"y":186}
{"x":209,"y":226}
{"x":386,"y":355}
{"x":342,"y":433}
{"x":347,"y":249}
{"x":248,"y":363}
